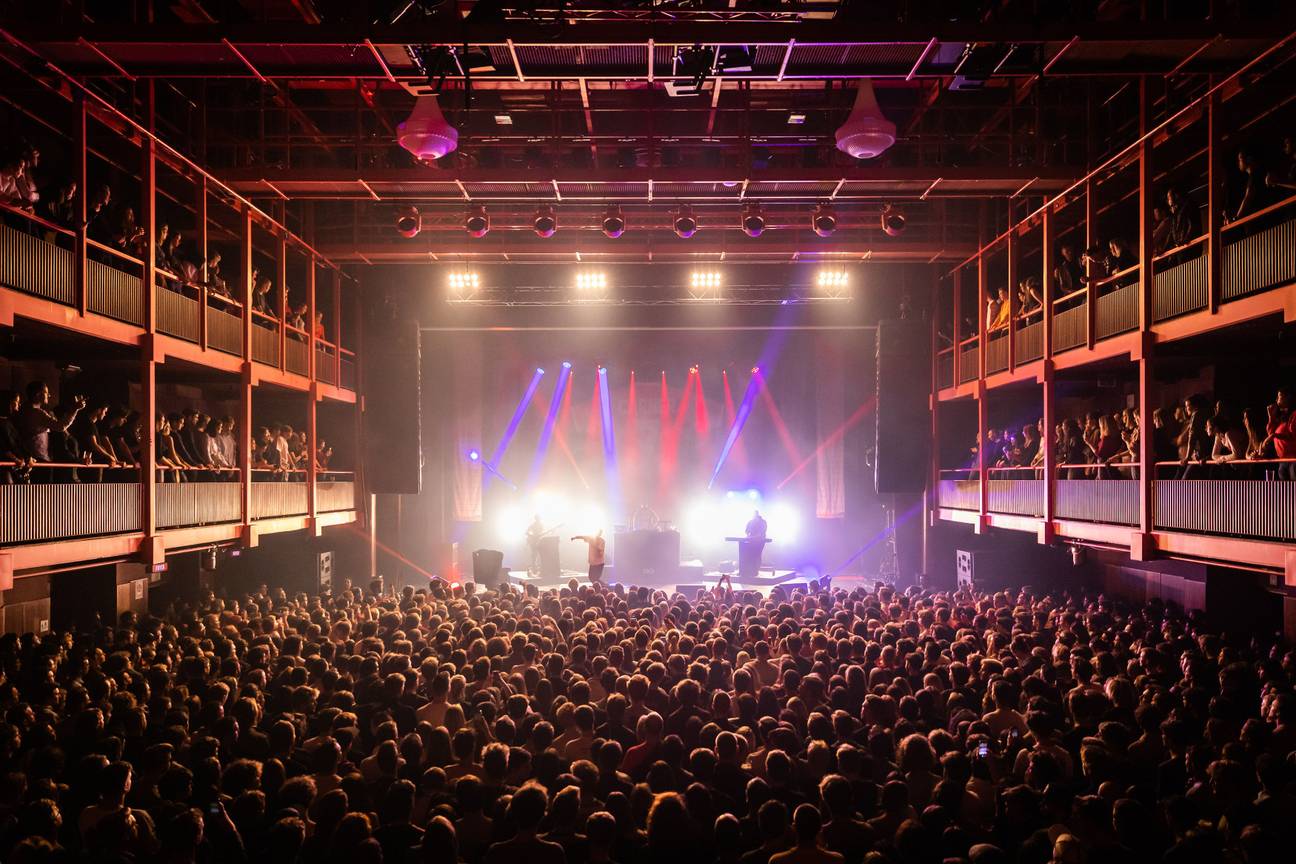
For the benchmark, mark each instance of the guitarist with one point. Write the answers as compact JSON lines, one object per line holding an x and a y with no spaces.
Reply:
{"x":535,"y":531}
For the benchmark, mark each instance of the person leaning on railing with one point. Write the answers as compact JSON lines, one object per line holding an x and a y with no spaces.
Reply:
{"x":1281,"y":430}
{"x":12,"y":449}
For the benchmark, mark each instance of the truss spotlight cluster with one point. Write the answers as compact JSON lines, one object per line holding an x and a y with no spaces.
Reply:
{"x":753,"y":220}
{"x":408,"y":222}
{"x":685,"y":223}
{"x":591,"y":284}
{"x":705,"y":284}
{"x":613,"y":222}
{"x":824,"y":220}
{"x":463,"y":284}
{"x":477,"y":222}
{"x":832,"y":282}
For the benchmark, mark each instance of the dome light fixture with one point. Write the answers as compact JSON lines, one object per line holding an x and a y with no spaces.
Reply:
{"x":867,"y":133}
{"x":685,"y":222}
{"x":425,"y":133}
{"x":545,"y":222}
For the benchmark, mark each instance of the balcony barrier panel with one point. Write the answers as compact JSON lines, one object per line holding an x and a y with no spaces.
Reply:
{"x":1070,"y":327}
{"x":114,"y":293}
{"x":181,"y":505}
{"x":1260,"y":509}
{"x":36,"y":512}
{"x":959,"y":494}
{"x":1020,"y":496}
{"x":1256,"y":262}
{"x":1180,"y":288}
{"x":265,"y":343}
{"x":295,"y":357}
{"x":224,"y":330}
{"x":334,"y":495}
{"x":177,"y":315}
{"x":968,"y":362}
{"x":324,"y":369}
{"x":35,"y":266}
{"x":997,"y":353}
{"x":348,"y":373}
{"x":1114,"y":502}
{"x":1116,"y":312}
{"x":272,"y":498}
{"x":1030,"y":341}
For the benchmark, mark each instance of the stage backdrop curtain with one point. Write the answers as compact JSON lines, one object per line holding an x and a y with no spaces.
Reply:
{"x":830,"y":461}
{"x":467,"y":401}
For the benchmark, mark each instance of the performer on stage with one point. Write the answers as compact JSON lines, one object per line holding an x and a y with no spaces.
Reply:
{"x":756,"y":527}
{"x":597,"y":545}
{"x":535,"y":531}
{"x":750,"y":563}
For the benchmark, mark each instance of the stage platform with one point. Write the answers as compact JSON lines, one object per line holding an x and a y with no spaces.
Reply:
{"x":689,"y":586}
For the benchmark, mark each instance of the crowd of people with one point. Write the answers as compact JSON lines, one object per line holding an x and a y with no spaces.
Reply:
{"x":21,"y":189}
{"x":1193,"y":440}
{"x":76,"y":442}
{"x":614,"y":725}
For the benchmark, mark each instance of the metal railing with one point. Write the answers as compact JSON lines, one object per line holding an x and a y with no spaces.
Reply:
{"x":335,"y":495}
{"x":34,"y":265}
{"x":181,"y":505}
{"x":273,"y":498}
{"x":111,"y":290}
{"x":325,"y":360}
{"x":177,"y":314}
{"x":1016,"y":491}
{"x":1117,"y":310}
{"x":969,"y":362}
{"x":997,"y":351}
{"x":296,"y":360}
{"x":265,"y":339}
{"x":1115,"y":502}
{"x":1180,"y":280}
{"x":1071,"y":325}
{"x":945,"y":368}
{"x":959,"y":490}
{"x":1030,"y":338}
{"x":1258,"y":251}
{"x":1259,"y":509}
{"x":37,"y":512}
{"x":348,"y":365}
{"x":225,"y":324}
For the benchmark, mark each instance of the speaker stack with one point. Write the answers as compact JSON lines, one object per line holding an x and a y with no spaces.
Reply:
{"x":903,"y":442}
{"x":392,"y":410}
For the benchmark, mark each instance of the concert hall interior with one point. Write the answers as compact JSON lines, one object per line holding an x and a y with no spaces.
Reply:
{"x":734,"y":431}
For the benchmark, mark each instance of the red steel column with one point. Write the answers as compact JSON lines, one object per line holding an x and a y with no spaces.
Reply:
{"x":80,"y":147}
{"x":246,"y":381}
{"x":149,"y":354}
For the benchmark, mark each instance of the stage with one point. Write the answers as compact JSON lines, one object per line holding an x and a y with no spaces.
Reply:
{"x":688,"y":586}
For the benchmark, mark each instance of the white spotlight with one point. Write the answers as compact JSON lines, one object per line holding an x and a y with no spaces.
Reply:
{"x":463,"y":284}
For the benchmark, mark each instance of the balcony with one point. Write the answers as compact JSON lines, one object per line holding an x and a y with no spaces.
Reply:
{"x":945,"y":369}
{"x":184,"y":505}
{"x":1070,"y":321}
{"x":1030,"y":338}
{"x":336,"y":493}
{"x":959,"y":490}
{"x":296,"y":358}
{"x":42,"y":512}
{"x":35,"y":265}
{"x":1259,"y":251}
{"x":997,"y":352}
{"x":1180,"y":281}
{"x":969,"y":363}
{"x":1015,"y":491}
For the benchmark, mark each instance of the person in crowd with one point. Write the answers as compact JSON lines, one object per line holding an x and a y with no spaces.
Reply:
{"x":1068,"y":275}
{"x":215,"y":278}
{"x":1280,"y":429}
{"x":261,"y":297}
{"x":998,"y":310}
{"x":168,"y":454}
{"x":12,"y":183}
{"x":28,"y":186}
{"x":1248,"y":193}
{"x":319,"y":326}
{"x":37,"y":420}
{"x":1030,"y":298}
{"x":61,"y":207}
{"x":1161,"y":230}
{"x":1185,"y":218}
{"x":97,"y":213}
{"x":13,"y":451}
{"x":1197,"y":443}
{"x":1230,"y":440}
{"x":129,"y":236}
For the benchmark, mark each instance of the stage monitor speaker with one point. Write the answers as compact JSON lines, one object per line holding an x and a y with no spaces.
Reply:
{"x":324,"y":570}
{"x":488,"y":568}
{"x":900,"y":456}
{"x":392,"y":408}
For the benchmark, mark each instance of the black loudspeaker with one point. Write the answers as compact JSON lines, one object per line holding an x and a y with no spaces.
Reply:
{"x":900,"y":456}
{"x":324,"y":569}
{"x":488,"y":568}
{"x":392,"y":411}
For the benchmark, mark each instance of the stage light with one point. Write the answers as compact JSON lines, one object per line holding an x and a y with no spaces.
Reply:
{"x":755,"y":370}
{"x":704,"y":284}
{"x":753,"y":220}
{"x":685,"y":222}
{"x":566,"y":365}
{"x":824,"y":220}
{"x":784,"y":522}
{"x":477,"y":222}
{"x":867,"y":133}
{"x":692,"y":370}
{"x":796,"y":118}
{"x":591,"y":283}
{"x":893,"y":220}
{"x":832,"y":282}
{"x":474,"y":455}
{"x":539,"y":371}
{"x":753,"y":494}
{"x":545,"y":223}
{"x":503,"y":120}
{"x":408,"y":222}
{"x":463,"y":284}
{"x":425,"y":133}
{"x":613,"y":222}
